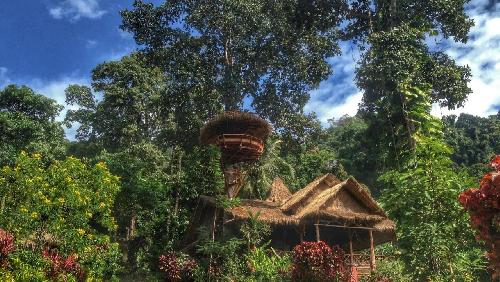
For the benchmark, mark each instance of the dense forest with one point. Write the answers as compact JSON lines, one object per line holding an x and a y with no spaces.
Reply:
{"x":115,"y":202}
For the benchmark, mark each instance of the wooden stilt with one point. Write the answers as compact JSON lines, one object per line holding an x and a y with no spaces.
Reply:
{"x":372,"y":252}
{"x":351,"y":253}
{"x":301,"y":233}
{"x":317,"y":230}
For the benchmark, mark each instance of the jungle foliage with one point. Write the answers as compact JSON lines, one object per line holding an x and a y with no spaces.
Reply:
{"x":142,"y":168}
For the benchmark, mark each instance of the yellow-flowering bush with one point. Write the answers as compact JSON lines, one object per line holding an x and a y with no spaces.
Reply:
{"x":65,"y":208}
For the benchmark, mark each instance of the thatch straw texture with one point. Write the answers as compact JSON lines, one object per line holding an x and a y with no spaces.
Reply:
{"x":278,"y":192}
{"x":305,"y":195}
{"x":234,"y":122}
{"x":269,"y":212}
{"x":326,"y":200}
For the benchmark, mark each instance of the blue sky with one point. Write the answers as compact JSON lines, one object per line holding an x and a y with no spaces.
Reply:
{"x":49,"y":44}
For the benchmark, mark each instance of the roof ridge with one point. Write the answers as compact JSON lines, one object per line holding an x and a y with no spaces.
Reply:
{"x":364,"y":196}
{"x":304,"y":194}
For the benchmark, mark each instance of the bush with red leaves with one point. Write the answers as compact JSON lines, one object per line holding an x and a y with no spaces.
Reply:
{"x":177,"y":267}
{"x":6,"y":247}
{"x":316,"y":261}
{"x":483,"y":205}
{"x":61,"y":266}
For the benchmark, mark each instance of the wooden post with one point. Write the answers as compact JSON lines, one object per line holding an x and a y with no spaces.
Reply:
{"x":317,"y":230}
{"x":301,"y":233}
{"x":372,"y":252}
{"x":351,"y":254}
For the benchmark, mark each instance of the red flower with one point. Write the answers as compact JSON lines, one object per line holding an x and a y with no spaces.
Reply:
{"x":316,"y":261}
{"x":62,"y":266}
{"x":495,"y":163}
{"x":483,"y":205}
{"x":6,"y":247}
{"x":177,"y":267}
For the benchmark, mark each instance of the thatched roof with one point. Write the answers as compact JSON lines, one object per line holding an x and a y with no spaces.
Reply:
{"x":234,"y":122}
{"x":278,"y":192}
{"x":325,"y":199}
{"x":308,"y":193}
{"x":336,"y":205}
{"x":269,"y":211}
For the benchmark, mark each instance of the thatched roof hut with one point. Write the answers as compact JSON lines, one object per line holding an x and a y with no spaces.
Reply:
{"x":338,"y":212}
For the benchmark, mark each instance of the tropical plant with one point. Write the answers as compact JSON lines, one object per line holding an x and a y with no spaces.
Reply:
{"x":483,"y":205}
{"x":6,"y":247}
{"x":28,"y":122}
{"x":177,"y":267}
{"x":64,"y":211}
{"x":254,"y":230}
{"x":261,"y":174}
{"x":316,"y":261}
{"x":266,"y":265}
{"x":432,"y":230}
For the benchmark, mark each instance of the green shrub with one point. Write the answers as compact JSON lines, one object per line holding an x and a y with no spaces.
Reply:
{"x":64,"y":208}
{"x":266,"y":265}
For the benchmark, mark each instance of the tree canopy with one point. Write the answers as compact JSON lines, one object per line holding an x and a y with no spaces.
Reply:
{"x":28,"y":122}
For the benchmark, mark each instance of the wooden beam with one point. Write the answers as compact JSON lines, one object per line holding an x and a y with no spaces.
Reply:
{"x":372,"y":252}
{"x":317,"y":230}
{"x":343,"y":226}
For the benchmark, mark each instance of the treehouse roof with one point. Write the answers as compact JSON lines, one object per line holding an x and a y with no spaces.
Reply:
{"x":234,"y":122}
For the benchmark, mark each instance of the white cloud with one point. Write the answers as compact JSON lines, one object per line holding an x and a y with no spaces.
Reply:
{"x":90,"y":44}
{"x":55,"y":90}
{"x":326,"y":111}
{"x":51,"y":88}
{"x":338,"y":95}
{"x":77,"y":9}
{"x":482,"y":55}
{"x":4,"y":79}
{"x":125,"y":34}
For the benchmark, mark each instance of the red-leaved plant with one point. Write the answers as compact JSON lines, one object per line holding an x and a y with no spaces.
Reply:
{"x":483,"y":205}
{"x":177,"y":267}
{"x":60,"y":266}
{"x":6,"y":247}
{"x":316,"y":261}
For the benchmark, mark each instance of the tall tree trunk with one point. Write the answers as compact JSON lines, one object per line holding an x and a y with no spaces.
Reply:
{"x":179,"y":174}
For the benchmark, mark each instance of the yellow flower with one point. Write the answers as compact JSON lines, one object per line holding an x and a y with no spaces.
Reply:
{"x":102,"y":205}
{"x":37,"y":156}
{"x":61,"y":200}
{"x":101,"y":165}
{"x":24,"y":210}
{"x":34,"y":215}
{"x":80,"y":231}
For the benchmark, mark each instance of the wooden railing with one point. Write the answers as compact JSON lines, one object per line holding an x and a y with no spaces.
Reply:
{"x":362,"y":262}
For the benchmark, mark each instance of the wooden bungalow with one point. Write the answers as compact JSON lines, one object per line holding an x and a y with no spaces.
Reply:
{"x":338,"y":212}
